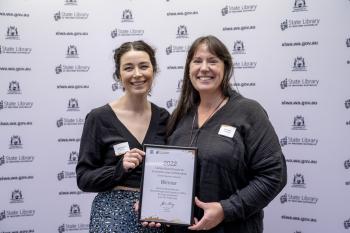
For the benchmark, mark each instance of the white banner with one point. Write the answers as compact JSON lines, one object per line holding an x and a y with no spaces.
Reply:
{"x":56,"y":63}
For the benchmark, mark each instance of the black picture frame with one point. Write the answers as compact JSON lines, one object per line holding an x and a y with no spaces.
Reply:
{"x":173,"y":168}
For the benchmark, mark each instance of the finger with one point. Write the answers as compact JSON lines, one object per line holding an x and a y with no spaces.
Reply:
{"x":152,"y":224}
{"x":144,"y":224}
{"x":198,"y":225}
{"x":135,"y":150}
{"x":134,"y":161}
{"x":136,"y":206}
{"x":134,"y":155}
{"x":199,"y":203}
{"x":128,"y":166}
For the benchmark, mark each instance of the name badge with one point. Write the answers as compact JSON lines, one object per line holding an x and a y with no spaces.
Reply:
{"x":227,"y":131}
{"x":121,"y":148}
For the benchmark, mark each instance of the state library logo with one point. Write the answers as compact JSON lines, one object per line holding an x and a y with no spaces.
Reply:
{"x":347,"y":164}
{"x":171,"y":103}
{"x":245,"y":64}
{"x":299,"y":64}
{"x":72,"y":52}
{"x":298,"y":141}
{"x":299,"y":83}
{"x":73,"y":227}
{"x":182,"y":32}
{"x":347,"y":224}
{"x":347,"y":104}
{"x":117,"y":86}
{"x":16,"y":159}
{"x":176,"y":49}
{"x":14,"y":88}
{"x":12,"y":33}
{"x":15,"y":105}
{"x":65,"y":175}
{"x":15,"y":142}
{"x":16,"y":196}
{"x":298,"y":181}
{"x":73,"y":158}
{"x":304,"y":199}
{"x":297,"y":23}
{"x":14,"y":50}
{"x":16,"y":213}
{"x":57,"y":16}
{"x":127,"y":16}
{"x":69,"y":15}
{"x":63,"y":121}
{"x":2,"y":160}
{"x":2,"y":215}
{"x":126,"y":32}
{"x":238,"y":47}
{"x":74,"y":211}
{"x":70,"y":2}
{"x":298,"y":123}
{"x":73,"y":105}
{"x":179,"y":85}
{"x":238,"y":9}
{"x":299,"y":5}
{"x":71,"y":68}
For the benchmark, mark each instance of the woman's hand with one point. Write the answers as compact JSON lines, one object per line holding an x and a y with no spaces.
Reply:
{"x":132,"y":159}
{"x":145,"y":224}
{"x":213,"y":215}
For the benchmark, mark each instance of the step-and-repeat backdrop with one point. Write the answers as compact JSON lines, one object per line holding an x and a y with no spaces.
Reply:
{"x":56,"y":63}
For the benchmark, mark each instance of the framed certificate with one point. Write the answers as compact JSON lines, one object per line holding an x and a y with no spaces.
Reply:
{"x":167,"y":187}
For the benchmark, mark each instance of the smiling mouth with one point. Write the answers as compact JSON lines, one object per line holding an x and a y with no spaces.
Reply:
{"x":138,"y":83}
{"x":205,"y":78}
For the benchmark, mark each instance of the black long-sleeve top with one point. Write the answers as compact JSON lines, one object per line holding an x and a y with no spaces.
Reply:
{"x":244,"y":172}
{"x":98,"y":168}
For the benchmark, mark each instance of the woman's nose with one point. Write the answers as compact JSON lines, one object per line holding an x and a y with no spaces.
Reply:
{"x":204,"y":66}
{"x":137,"y":72}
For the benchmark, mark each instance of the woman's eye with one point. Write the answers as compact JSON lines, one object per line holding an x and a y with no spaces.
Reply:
{"x":128,"y":68}
{"x":197,"y":61}
{"x":144,"y":67}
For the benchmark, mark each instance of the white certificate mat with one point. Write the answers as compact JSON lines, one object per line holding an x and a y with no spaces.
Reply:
{"x":167,"y":190}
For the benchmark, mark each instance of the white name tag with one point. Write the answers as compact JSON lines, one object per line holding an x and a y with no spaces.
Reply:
{"x":227,"y":131}
{"x":121,"y":148}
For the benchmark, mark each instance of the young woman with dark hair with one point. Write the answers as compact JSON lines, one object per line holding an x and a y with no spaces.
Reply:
{"x":111,"y":155}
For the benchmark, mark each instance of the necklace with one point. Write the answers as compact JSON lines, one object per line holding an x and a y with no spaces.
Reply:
{"x":193,"y":137}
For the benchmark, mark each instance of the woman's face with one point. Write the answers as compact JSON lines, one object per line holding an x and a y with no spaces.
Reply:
{"x":206,"y":70}
{"x":136,"y":72}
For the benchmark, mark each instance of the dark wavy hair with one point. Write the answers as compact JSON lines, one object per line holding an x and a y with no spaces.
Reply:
{"x":138,"y":45}
{"x":189,"y":96}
